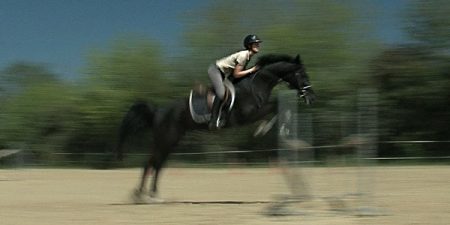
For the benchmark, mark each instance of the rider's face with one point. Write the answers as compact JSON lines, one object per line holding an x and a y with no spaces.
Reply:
{"x":255,"y":47}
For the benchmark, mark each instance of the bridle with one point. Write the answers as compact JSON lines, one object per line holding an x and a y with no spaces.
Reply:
{"x":302,"y":92}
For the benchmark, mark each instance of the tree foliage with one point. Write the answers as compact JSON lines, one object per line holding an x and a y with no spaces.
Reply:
{"x":413,"y":80}
{"x":429,"y":24}
{"x":414,"y":97}
{"x":132,"y":66}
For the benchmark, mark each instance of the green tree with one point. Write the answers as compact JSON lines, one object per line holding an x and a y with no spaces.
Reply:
{"x":413,"y":81}
{"x":128,"y":69}
{"x":131,"y":66}
{"x":414,"y":97}
{"x":18,"y":76}
{"x":37,"y":114}
{"x":429,"y":24}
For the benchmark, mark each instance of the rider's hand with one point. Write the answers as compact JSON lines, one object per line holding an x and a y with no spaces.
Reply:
{"x":254,"y":69}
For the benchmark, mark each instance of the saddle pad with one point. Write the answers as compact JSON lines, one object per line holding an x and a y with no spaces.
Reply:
{"x":199,"y":108}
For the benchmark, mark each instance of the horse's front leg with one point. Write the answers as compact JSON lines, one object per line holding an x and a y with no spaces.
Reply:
{"x":266,"y":124}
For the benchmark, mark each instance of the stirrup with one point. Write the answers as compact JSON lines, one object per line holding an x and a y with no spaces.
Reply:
{"x":221,"y":120}
{"x":215,"y":113}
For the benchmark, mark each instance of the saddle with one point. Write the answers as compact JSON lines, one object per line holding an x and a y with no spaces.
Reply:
{"x":201,"y":100}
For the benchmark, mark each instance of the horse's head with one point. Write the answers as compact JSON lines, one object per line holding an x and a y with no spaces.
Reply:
{"x":282,"y":67}
{"x":297,"y":78}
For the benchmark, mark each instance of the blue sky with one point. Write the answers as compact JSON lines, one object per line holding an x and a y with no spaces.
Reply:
{"x":59,"y":33}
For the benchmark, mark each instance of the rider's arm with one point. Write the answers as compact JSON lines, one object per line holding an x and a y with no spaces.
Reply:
{"x":239,"y":72}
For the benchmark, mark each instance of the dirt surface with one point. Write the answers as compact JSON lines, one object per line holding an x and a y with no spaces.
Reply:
{"x":398,"y":195}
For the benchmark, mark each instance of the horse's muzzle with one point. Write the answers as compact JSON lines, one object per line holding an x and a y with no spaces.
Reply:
{"x":307,"y":94}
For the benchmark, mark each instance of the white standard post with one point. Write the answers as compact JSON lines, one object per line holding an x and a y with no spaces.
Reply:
{"x":367,"y":152}
{"x":294,"y":152}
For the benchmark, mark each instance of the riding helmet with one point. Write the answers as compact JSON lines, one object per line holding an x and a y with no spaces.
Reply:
{"x":250,"y":39}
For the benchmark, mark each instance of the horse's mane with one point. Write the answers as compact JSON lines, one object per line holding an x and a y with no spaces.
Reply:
{"x":268,"y":59}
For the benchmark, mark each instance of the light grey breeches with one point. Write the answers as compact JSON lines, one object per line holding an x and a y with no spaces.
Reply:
{"x":216,"y":79}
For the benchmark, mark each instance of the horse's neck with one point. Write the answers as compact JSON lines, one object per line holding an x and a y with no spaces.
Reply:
{"x":264,"y":81}
{"x":259,"y":86}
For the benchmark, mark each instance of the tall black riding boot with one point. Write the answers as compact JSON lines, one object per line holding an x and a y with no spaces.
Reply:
{"x":215,"y":114}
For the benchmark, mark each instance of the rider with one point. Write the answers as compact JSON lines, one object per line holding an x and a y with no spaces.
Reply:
{"x":234,"y":65}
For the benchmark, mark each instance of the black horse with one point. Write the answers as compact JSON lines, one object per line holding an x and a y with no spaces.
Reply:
{"x":251,"y":104}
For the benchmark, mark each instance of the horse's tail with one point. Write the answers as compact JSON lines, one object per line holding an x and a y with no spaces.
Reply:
{"x":138,"y":118}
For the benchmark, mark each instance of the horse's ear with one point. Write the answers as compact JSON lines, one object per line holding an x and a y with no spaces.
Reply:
{"x":297,"y":59}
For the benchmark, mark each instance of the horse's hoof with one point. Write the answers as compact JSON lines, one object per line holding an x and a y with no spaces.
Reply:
{"x":137,"y":197}
{"x":155,"y":200}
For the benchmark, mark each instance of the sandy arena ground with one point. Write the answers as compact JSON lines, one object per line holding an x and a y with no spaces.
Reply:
{"x":403,"y":195}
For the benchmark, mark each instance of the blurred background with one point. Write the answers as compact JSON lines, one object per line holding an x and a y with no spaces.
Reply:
{"x":69,"y":70}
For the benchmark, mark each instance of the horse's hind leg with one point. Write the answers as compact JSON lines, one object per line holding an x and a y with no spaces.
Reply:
{"x":151,"y":168}
{"x":145,"y":173}
{"x":154,"y":187}
{"x":138,"y":194}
